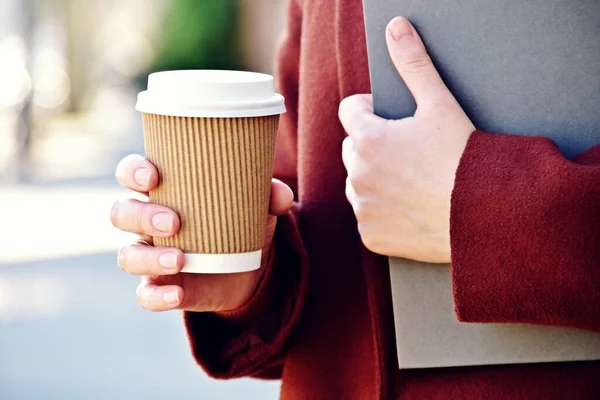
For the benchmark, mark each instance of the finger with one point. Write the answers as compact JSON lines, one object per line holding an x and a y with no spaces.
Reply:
{"x":347,"y":153}
{"x":136,"y":173}
{"x":413,"y":63}
{"x":356,"y":115}
{"x":139,"y":259}
{"x":282,"y":198}
{"x":153,"y":297}
{"x":210,"y":292}
{"x":135,"y":216}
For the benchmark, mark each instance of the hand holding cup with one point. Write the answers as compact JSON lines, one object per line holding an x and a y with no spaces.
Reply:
{"x":163,"y":287}
{"x":209,"y":138}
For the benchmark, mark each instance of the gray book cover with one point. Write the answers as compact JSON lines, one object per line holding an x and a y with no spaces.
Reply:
{"x":520,"y":67}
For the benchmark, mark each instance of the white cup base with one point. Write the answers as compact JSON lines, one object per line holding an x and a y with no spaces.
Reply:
{"x":222,"y":263}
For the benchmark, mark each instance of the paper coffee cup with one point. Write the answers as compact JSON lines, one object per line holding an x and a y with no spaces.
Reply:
{"x":211,"y":134}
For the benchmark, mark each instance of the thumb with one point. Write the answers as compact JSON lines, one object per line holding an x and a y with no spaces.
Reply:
{"x":282,"y":198}
{"x":413,"y":63}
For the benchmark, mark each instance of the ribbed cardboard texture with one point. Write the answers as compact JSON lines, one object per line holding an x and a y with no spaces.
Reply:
{"x":216,"y":174}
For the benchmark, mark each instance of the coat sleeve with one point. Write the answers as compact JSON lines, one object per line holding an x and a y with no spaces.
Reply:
{"x":525,"y":233}
{"x":252,"y":341}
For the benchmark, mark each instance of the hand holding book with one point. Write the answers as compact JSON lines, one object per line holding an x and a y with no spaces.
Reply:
{"x":401,"y":172}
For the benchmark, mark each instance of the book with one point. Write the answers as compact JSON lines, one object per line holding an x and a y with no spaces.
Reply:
{"x":530,"y":68}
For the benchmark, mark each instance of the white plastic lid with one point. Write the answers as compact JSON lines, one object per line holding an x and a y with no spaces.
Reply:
{"x":210,"y":93}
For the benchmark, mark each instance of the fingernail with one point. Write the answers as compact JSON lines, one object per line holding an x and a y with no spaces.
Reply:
{"x":142,"y":176}
{"x":171,"y":297}
{"x":163,"y":222}
{"x":400,"y":27}
{"x":168,"y":260}
{"x":113,"y":211}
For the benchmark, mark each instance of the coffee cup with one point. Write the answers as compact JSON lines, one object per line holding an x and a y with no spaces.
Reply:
{"x":211,"y":135}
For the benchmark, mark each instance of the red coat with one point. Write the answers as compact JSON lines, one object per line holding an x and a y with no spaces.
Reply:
{"x":525,"y":230}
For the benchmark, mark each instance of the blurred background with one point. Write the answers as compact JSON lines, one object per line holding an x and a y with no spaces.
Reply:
{"x":70,"y":71}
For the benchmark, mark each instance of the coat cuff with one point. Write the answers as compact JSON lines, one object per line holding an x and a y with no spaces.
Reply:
{"x":524,"y":232}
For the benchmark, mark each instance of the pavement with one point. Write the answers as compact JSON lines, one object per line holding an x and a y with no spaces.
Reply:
{"x":70,"y":327}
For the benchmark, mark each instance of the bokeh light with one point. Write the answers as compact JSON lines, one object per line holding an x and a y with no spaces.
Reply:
{"x":14,"y":78}
{"x":51,"y":85}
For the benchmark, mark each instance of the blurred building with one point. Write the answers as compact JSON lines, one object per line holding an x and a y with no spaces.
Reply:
{"x":69,"y":69}
{"x":260,"y":27}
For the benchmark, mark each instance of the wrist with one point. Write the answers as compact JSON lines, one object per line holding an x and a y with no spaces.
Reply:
{"x":258,"y":294}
